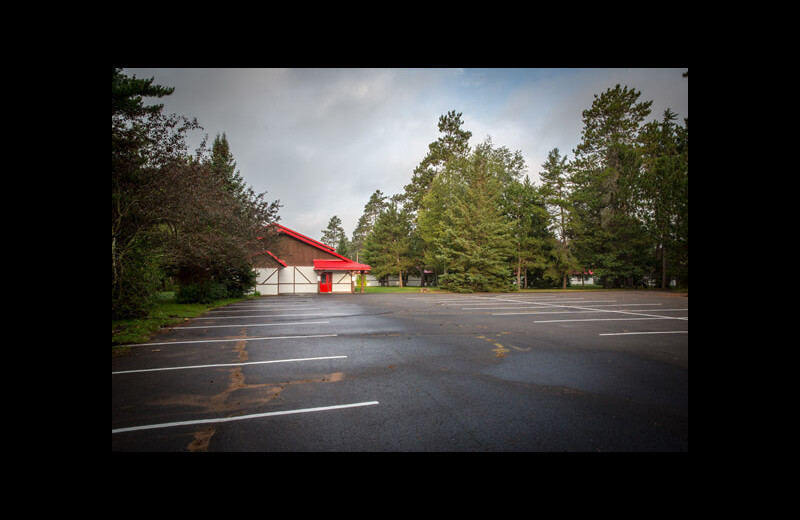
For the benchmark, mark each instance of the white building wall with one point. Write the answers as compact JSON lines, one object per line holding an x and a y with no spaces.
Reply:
{"x":267,"y":281}
{"x":297,"y":280}
{"x":271,"y":281}
{"x":342,"y":282}
{"x":306,"y":280}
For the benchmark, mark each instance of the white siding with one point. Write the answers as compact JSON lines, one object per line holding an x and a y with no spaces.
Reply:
{"x":301,"y":279}
{"x":267,"y":281}
{"x":305,"y":280}
{"x":297,"y":280}
{"x":342,"y":282}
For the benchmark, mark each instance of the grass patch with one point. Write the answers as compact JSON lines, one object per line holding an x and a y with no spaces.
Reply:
{"x":397,"y":289}
{"x":166,"y":313}
{"x":574,"y":287}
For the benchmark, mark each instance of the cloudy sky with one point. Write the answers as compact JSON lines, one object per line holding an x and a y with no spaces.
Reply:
{"x":323,"y":140}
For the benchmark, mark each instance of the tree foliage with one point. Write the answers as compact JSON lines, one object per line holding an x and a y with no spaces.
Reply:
{"x":334,"y":235}
{"x":618,"y":209}
{"x":388,"y":246}
{"x":174,"y":214}
{"x":453,"y":144}
{"x":372,"y":209}
{"x":475,"y":243}
{"x":606,"y":178}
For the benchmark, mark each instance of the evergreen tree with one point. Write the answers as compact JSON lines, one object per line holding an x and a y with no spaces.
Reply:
{"x":388,"y":247}
{"x":665,"y":193}
{"x":333,"y":234}
{"x":430,"y":218}
{"x":372,"y":209}
{"x":453,"y":144}
{"x":533,"y":241}
{"x":555,"y":189}
{"x":476,"y":239}
{"x":223,"y":165}
{"x":605,"y":176}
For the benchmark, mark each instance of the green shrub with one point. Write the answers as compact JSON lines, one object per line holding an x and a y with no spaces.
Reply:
{"x":204,"y":292}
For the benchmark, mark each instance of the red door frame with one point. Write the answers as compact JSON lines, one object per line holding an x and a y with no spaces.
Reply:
{"x":326,"y":282}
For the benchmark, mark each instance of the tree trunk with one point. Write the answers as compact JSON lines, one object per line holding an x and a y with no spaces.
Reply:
{"x":399,"y":272}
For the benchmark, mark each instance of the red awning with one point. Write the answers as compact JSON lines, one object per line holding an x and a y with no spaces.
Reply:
{"x":340,"y":265}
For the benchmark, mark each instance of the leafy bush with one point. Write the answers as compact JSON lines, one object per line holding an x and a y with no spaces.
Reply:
{"x":238,"y":281}
{"x":233,"y":283}
{"x":204,"y":292}
{"x":456,"y":282}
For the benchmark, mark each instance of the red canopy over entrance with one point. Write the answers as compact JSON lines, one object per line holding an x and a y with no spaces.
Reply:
{"x":339,"y":265}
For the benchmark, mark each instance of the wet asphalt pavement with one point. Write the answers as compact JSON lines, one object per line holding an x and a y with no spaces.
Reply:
{"x":561,"y":371}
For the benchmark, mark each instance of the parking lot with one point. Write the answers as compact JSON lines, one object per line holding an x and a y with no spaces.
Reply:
{"x":561,"y":371}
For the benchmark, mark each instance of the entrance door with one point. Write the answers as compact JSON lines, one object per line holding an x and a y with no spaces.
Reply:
{"x":325,"y":282}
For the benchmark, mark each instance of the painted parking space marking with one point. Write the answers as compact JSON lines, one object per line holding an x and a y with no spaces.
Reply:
{"x":234,"y":339}
{"x":589,"y":308}
{"x":229,"y":311}
{"x":242,"y":417}
{"x":255,"y":325}
{"x":265,"y":306}
{"x":640,"y":333}
{"x":613,"y":319}
{"x":217,"y":365}
{"x":521,"y":305}
{"x":257,"y":316}
{"x":579,"y":311}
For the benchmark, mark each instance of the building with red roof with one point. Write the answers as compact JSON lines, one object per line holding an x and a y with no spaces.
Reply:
{"x":297,"y":264}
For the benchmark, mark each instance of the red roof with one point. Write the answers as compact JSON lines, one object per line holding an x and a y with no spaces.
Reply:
{"x":345,"y":264}
{"x":340,"y":265}
{"x":307,"y":240}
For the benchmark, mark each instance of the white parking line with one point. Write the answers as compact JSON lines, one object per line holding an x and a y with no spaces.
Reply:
{"x":613,"y":319}
{"x":233,"y":339}
{"x":255,"y":310}
{"x":577,"y":312}
{"x":589,"y":308}
{"x":226,"y":365}
{"x":524,"y":305}
{"x":241,"y":417}
{"x":257,"y":316}
{"x":635,"y":333}
{"x":254,"y":325}
{"x":295,"y":304}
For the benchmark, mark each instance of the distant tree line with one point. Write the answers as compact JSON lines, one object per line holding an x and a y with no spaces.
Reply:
{"x":619,"y":209}
{"x":175,"y":216}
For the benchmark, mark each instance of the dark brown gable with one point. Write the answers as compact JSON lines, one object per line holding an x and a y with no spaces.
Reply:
{"x":291,"y":251}
{"x":295,"y":252}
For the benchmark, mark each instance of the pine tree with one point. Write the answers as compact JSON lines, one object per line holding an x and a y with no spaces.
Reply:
{"x":476,"y":239}
{"x":665,"y":192}
{"x":222,"y":164}
{"x":372,"y":209}
{"x":333,"y":234}
{"x":605,"y":175}
{"x":555,"y":189}
{"x":388,"y":247}
{"x":453,"y":144}
{"x":533,"y":242}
